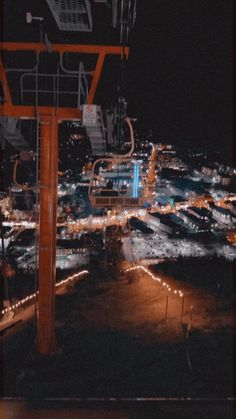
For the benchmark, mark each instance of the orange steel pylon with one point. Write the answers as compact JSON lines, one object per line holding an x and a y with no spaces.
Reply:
{"x":49,"y":118}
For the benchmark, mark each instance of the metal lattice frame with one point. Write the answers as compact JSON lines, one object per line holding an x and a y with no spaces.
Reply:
{"x":72,"y":15}
{"x":9,"y":109}
{"x":57,"y":88}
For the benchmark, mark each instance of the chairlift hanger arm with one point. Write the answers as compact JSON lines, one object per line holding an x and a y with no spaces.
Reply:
{"x":117,"y":158}
{"x":17,"y":162}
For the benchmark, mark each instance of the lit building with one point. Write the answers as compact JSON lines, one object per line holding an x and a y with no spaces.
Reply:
{"x":222,"y":215}
{"x":186,"y":188}
{"x":193,"y":222}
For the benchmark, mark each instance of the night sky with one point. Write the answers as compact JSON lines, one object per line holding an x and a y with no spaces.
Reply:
{"x":181,"y":71}
{"x":179,"y":76}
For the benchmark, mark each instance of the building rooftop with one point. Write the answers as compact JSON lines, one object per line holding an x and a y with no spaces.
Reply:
{"x":177,"y":198}
{"x":167,"y":219}
{"x":202,"y":212}
{"x":186,"y":185}
{"x":222,"y":210}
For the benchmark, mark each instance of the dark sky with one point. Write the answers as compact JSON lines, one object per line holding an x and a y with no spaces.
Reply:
{"x":180,"y":72}
{"x":179,"y":75}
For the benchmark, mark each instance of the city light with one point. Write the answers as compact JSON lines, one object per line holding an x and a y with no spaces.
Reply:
{"x":135,"y":180}
{"x":155,"y":278}
{"x":25,"y":300}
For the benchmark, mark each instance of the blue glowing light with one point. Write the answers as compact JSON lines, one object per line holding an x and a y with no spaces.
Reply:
{"x":136,"y":180}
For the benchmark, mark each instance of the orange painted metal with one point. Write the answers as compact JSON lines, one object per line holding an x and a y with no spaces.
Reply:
{"x":96,"y":77}
{"x":46,"y":343}
{"x":49,"y":120}
{"x":8,"y":109}
{"x":151,"y":170}
{"x":3,"y":79}
{"x":77,"y":48}
{"x":29,"y":112}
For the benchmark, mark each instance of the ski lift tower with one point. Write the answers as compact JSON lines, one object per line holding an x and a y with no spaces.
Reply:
{"x":49,"y":113}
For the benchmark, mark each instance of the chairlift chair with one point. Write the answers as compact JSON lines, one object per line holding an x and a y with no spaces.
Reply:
{"x":111,"y":188}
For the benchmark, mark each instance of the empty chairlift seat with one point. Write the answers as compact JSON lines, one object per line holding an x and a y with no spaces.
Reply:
{"x":116,"y":184}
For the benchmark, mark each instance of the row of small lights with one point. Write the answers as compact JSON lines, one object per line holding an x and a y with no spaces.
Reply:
{"x":111,"y":218}
{"x":85,"y":221}
{"x":32,"y":296}
{"x":156,"y":278}
{"x":105,"y":221}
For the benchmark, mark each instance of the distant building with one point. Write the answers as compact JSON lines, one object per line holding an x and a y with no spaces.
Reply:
{"x":232,"y":207}
{"x":165,"y":222}
{"x":229,"y":251}
{"x":218,"y":173}
{"x":172,"y":163}
{"x":225,"y":180}
{"x":222,"y":215}
{"x":137,"y":224}
{"x":210,"y":170}
{"x":200,"y":213}
{"x":193,"y":222}
{"x":186,"y":188}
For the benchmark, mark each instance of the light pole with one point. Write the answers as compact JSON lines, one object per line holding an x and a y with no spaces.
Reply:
{"x":190,"y":322}
{"x":167,"y":298}
{"x":6,"y":301}
{"x":191,"y":314}
{"x":182,"y":310}
{"x":1,"y":232}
